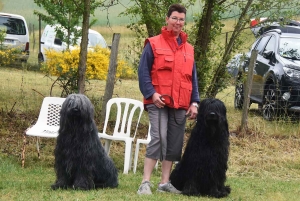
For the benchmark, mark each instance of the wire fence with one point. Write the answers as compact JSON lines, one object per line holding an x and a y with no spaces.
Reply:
{"x":22,"y":91}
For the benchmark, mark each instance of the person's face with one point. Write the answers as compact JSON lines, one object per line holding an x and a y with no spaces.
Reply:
{"x":175,"y":22}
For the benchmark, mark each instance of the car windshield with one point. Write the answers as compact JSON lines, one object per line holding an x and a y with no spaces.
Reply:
{"x":290,"y":48}
{"x":12,"y":26}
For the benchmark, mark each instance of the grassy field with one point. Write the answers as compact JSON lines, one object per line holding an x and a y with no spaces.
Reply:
{"x":105,"y":17}
{"x":33,"y":183}
{"x":263,"y":165}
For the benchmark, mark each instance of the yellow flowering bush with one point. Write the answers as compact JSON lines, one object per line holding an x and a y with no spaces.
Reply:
{"x":64,"y":65}
{"x":61,"y":63}
{"x":7,"y":55}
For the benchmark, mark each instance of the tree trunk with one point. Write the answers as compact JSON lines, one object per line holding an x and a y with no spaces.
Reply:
{"x":147,"y":15}
{"x":83,"y":47}
{"x":218,"y":78}
{"x":203,"y":40}
{"x":111,"y":75}
{"x":248,"y":87}
{"x":204,"y":27}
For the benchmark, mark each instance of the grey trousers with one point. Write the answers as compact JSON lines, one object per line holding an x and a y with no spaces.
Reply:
{"x":171,"y":132}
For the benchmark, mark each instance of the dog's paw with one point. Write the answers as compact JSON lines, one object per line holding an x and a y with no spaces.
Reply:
{"x":83,"y":185}
{"x":82,"y":188}
{"x":56,"y":186}
{"x":221,"y":192}
{"x":227,"y":189}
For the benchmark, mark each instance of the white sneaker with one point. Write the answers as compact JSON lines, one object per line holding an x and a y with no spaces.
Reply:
{"x":168,"y":187}
{"x":145,"y":188}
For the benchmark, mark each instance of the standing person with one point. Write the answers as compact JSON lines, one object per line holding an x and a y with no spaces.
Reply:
{"x":168,"y":82}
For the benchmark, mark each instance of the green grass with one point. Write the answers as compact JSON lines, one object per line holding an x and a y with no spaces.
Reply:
{"x":33,"y":183}
{"x":263,"y":165}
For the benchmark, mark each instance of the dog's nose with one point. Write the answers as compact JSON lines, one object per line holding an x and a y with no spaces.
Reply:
{"x":75,"y":109}
{"x":212,"y":116}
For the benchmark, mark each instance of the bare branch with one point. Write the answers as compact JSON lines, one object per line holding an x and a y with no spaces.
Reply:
{"x":221,"y":2}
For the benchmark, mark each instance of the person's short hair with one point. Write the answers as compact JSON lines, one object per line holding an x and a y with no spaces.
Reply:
{"x":176,"y":7}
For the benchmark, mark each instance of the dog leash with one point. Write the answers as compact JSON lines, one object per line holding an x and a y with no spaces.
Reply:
{"x":159,"y":123}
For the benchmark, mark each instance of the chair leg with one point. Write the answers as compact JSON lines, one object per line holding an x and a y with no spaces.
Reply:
{"x":128,"y":146}
{"x":130,"y":161}
{"x":23,"y":150}
{"x":136,"y":156}
{"x":38,"y":146}
{"x":107,"y":146}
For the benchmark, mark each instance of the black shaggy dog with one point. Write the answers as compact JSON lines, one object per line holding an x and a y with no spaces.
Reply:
{"x":80,"y":160}
{"x":202,"y":169}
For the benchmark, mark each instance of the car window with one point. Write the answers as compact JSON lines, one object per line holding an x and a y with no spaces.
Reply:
{"x":261,"y":44}
{"x":271,"y":44}
{"x":289,"y":48}
{"x":13,"y":25}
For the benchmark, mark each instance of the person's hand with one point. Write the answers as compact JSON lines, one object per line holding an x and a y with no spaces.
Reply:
{"x":192,"y":112}
{"x":158,"y":100}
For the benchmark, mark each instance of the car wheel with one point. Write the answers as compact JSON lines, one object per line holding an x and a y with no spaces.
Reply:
{"x":270,"y":107}
{"x":239,"y":96}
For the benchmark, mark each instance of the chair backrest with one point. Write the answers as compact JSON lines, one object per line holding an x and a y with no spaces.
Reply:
{"x":50,"y":114}
{"x":126,"y":108}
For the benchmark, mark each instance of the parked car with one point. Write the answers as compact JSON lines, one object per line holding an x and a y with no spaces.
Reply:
{"x":235,"y":64}
{"x":276,"y":79}
{"x":17,"y":35}
{"x":261,"y":25}
{"x":51,"y":40}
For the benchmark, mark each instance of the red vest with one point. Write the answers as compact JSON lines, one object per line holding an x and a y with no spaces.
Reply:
{"x":172,"y":69}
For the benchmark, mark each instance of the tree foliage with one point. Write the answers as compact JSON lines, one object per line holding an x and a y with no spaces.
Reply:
{"x":211,"y":57}
{"x":273,"y":9}
{"x":63,"y":13}
{"x":206,"y":28}
{"x":147,"y":18}
{"x":68,"y":14}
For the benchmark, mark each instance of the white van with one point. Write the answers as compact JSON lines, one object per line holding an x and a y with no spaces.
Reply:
{"x":50,"y":40}
{"x":17,"y":35}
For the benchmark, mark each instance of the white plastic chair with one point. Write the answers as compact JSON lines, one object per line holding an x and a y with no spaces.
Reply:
{"x":126,"y":108}
{"x":47,"y":124}
{"x":137,"y":149}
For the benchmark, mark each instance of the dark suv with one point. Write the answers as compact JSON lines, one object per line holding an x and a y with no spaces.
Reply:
{"x":276,"y":77}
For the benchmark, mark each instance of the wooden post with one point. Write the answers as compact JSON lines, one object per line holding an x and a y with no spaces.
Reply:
{"x":248,"y":88}
{"x":111,"y":75}
{"x":33,"y":38}
{"x":40,"y":36}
